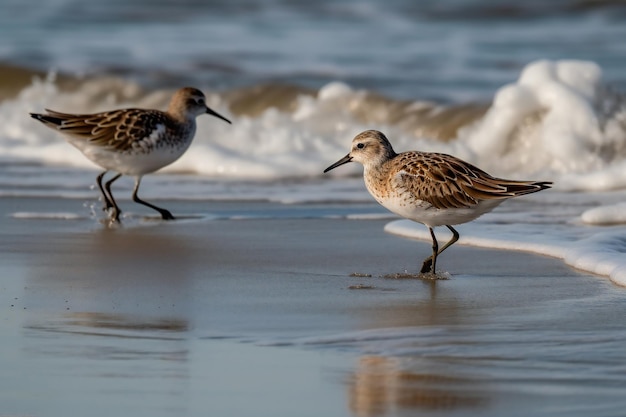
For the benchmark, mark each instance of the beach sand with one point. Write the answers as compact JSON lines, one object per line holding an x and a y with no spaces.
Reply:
{"x":290,"y":316}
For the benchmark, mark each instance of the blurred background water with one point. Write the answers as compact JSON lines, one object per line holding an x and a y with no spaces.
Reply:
{"x":448,"y":51}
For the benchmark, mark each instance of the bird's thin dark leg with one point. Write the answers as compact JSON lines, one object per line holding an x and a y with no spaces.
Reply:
{"x":105,"y":197}
{"x":166,"y":215}
{"x":114,"y":206}
{"x":426,"y":267}
{"x":455,"y":237}
{"x":430,"y":262}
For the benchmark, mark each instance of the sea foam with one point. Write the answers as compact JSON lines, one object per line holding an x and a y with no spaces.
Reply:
{"x":598,"y":250}
{"x":558,"y":120}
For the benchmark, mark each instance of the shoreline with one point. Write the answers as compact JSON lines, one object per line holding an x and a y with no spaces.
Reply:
{"x":191,"y":317}
{"x":589,"y":255}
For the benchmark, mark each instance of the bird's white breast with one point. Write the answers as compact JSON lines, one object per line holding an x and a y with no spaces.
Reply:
{"x":409,"y":206}
{"x":147,"y":155}
{"x":425,"y":213}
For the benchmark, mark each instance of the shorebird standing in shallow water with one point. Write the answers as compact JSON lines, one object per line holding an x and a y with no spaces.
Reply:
{"x":430,"y":188}
{"x":133,"y":142}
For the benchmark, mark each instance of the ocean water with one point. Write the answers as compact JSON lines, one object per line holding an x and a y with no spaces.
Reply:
{"x":532,"y":90}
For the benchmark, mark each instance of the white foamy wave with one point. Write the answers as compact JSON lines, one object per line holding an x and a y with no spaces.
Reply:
{"x":605,"y":215}
{"x":46,"y":215}
{"x":274,"y":145}
{"x":544,"y":230}
{"x":371,"y":216}
{"x":558,"y":121}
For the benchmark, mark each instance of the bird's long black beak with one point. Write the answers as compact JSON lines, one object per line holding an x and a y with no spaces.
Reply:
{"x":342,"y":161}
{"x":219,"y":116}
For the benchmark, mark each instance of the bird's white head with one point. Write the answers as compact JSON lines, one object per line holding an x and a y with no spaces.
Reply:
{"x":370,"y":148}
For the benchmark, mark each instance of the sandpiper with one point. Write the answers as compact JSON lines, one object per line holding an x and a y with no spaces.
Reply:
{"x":133,"y":142}
{"x":430,"y":188}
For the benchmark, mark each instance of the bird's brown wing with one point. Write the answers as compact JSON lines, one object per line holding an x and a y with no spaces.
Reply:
{"x":448,"y":182}
{"x":117,"y":130}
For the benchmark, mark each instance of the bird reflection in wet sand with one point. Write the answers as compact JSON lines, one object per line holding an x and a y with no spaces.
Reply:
{"x":379,"y":386}
{"x":128,"y":336}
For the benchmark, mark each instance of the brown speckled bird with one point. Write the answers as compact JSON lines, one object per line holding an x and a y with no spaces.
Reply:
{"x":133,"y":142}
{"x":430,"y":188}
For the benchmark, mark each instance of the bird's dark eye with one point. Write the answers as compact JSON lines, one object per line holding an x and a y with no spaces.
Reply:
{"x":360,"y":146}
{"x":201,"y":101}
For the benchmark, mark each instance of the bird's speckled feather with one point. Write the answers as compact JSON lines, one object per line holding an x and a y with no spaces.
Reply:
{"x":133,"y":141}
{"x":430,"y":188}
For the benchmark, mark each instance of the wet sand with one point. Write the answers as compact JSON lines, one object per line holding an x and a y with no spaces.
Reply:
{"x":264,"y":316}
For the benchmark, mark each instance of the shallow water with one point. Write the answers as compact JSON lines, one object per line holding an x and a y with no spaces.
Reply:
{"x":193,"y":317}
